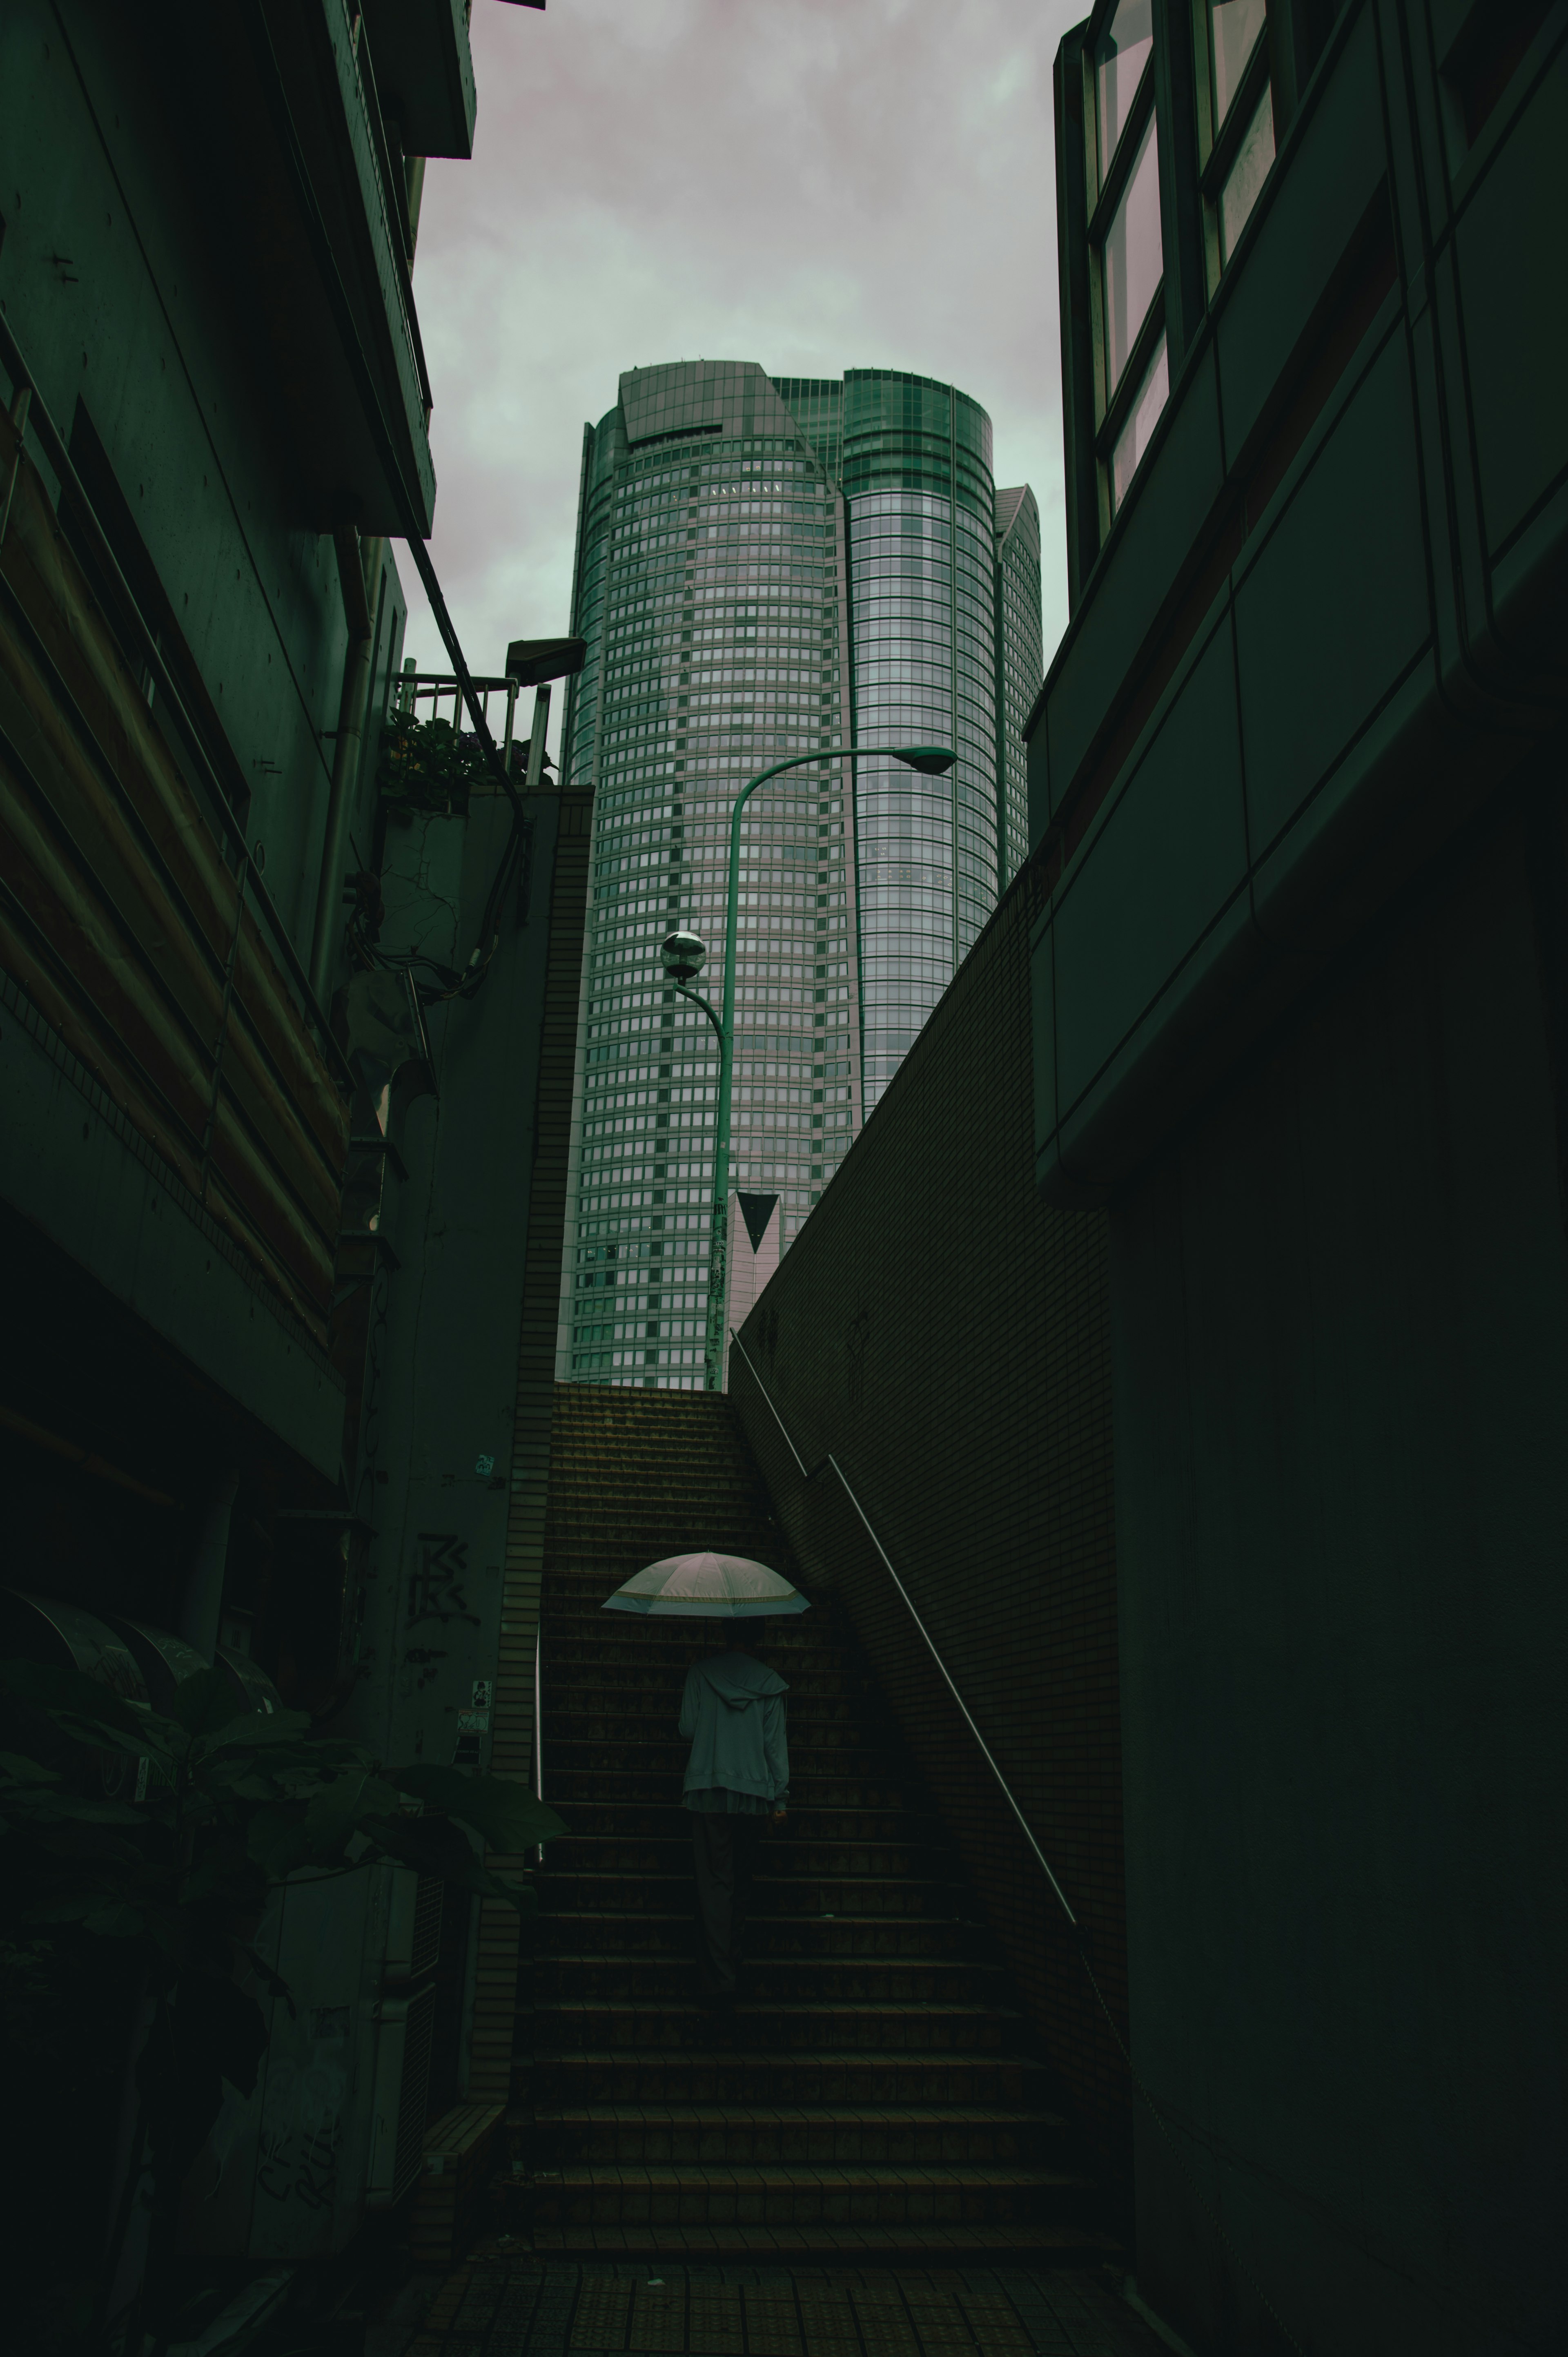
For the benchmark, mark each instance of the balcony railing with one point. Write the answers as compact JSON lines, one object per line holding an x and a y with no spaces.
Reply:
{"x":367,"y":132}
{"x":285,"y":137}
{"x":131,"y":911}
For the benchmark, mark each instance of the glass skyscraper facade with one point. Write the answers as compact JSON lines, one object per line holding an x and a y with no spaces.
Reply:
{"x":767,"y":567}
{"x":1019,"y":660}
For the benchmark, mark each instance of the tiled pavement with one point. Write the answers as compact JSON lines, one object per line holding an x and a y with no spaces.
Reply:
{"x":522,"y":2307}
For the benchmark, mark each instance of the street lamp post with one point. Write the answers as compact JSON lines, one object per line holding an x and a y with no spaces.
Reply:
{"x":683,"y":957}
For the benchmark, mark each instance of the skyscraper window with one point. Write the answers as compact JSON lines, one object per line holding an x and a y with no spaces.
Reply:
{"x":765,"y":568}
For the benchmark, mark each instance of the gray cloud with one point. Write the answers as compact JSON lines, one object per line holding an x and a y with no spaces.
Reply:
{"x":811,"y":184}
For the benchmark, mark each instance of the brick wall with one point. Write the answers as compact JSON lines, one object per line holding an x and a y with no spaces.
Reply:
{"x":946,"y":1336}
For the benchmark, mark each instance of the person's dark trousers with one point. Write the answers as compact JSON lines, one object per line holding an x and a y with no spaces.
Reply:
{"x":723,"y":1850}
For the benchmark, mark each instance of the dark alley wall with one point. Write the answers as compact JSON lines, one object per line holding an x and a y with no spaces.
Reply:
{"x":944,"y":1333}
{"x":1341,"y":1317}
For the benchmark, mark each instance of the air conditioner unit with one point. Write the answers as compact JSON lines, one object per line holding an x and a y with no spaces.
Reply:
{"x":405,"y":2026}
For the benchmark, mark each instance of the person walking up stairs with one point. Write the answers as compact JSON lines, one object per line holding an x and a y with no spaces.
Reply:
{"x":738,"y":1781}
{"x":875,"y":2089}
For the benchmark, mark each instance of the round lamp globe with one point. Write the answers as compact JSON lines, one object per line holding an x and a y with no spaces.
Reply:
{"x":682,"y":955}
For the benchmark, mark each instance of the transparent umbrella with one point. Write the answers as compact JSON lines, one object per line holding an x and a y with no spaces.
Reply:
{"x":706,"y":1587}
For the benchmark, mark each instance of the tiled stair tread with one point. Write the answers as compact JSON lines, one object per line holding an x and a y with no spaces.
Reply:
{"x":617,"y":1667}
{"x":663,"y":1755}
{"x":820,"y":1797}
{"x":584,"y":2176}
{"x":806,"y":1964}
{"x":879,"y":2008}
{"x":773,"y":1940}
{"x":768,"y":1875}
{"x":642,"y":1660}
{"x":594,"y":1818}
{"x":887,"y":1895}
{"x":805,"y":1787}
{"x":612,"y":1918}
{"x":798,"y":2116}
{"x":839,"y":1723}
{"x":920,"y":2240}
{"x":581,"y":1615}
{"x":796,"y":2063}
{"x":818,"y":1980}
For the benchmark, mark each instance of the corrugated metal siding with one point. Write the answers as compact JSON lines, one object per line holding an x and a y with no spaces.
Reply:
{"x":120,"y":917}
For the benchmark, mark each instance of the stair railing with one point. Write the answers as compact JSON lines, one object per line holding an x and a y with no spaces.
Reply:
{"x":830,"y":1462}
{"x":538,"y":1734}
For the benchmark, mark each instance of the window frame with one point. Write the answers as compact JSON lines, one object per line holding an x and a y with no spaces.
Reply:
{"x":1103,"y":193}
{"x":1217,"y":151}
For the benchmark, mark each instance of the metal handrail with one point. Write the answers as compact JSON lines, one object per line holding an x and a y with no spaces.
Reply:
{"x":1081,"y":1941}
{"x":538,"y":1735}
{"x":808,"y":1474}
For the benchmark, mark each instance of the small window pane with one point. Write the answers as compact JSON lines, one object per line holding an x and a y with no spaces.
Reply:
{"x":1248,"y":174}
{"x":1133,"y":258}
{"x":1120,"y":56}
{"x":1233,"y":28}
{"x":1133,"y":438}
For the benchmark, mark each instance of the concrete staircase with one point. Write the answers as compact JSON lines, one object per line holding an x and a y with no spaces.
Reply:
{"x":876,"y":2092}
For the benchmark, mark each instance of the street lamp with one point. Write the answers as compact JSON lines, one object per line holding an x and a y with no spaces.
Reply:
{"x":683,"y":957}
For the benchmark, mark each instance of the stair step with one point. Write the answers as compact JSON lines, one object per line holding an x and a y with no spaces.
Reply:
{"x":599,"y":1814}
{"x":650,"y":1717}
{"x":611,"y":1646}
{"x":802,"y":2076}
{"x":872,"y":2092}
{"x":606,"y":1788}
{"x":810,"y":2135}
{"x":622,"y":1650}
{"x":883,"y":2243}
{"x":927,"y":2027}
{"x":646,"y":1934}
{"x":639,"y":1756}
{"x":832,"y":2194}
{"x":824,"y":1884}
{"x":768,"y":1981}
{"x":789,"y":1852}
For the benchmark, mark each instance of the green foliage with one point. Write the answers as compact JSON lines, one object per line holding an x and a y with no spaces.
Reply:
{"x":426,"y":765}
{"x":231,"y":1807}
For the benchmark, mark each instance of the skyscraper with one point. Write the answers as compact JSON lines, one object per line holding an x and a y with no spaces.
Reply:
{"x":765,"y":567}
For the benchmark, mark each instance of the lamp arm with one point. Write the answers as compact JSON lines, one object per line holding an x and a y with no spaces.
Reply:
{"x":698,"y":1000}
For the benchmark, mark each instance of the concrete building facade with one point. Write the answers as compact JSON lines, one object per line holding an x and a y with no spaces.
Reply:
{"x":252,"y":1173}
{"x":1296,"y":784}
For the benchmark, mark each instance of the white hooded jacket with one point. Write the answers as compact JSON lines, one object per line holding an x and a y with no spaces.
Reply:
{"x":732,"y":1711}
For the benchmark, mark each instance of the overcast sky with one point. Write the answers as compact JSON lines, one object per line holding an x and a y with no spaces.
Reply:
{"x":813,"y":184}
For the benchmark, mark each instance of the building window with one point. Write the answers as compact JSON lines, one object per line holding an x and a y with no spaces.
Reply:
{"x":1233,"y":29}
{"x":1235,"y":139}
{"x":1245,"y":178}
{"x":1132,"y":258}
{"x":1121,"y":54}
{"x":1133,"y":440}
{"x":1126,"y":245}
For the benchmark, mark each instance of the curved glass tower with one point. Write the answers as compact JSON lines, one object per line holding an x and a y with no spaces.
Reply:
{"x":914,"y":468}
{"x":766,"y":567}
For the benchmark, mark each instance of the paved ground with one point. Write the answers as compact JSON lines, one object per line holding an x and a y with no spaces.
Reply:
{"x":500,"y":2306}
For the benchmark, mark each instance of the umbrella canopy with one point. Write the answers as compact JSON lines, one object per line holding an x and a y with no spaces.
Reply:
{"x":706,"y":1587}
